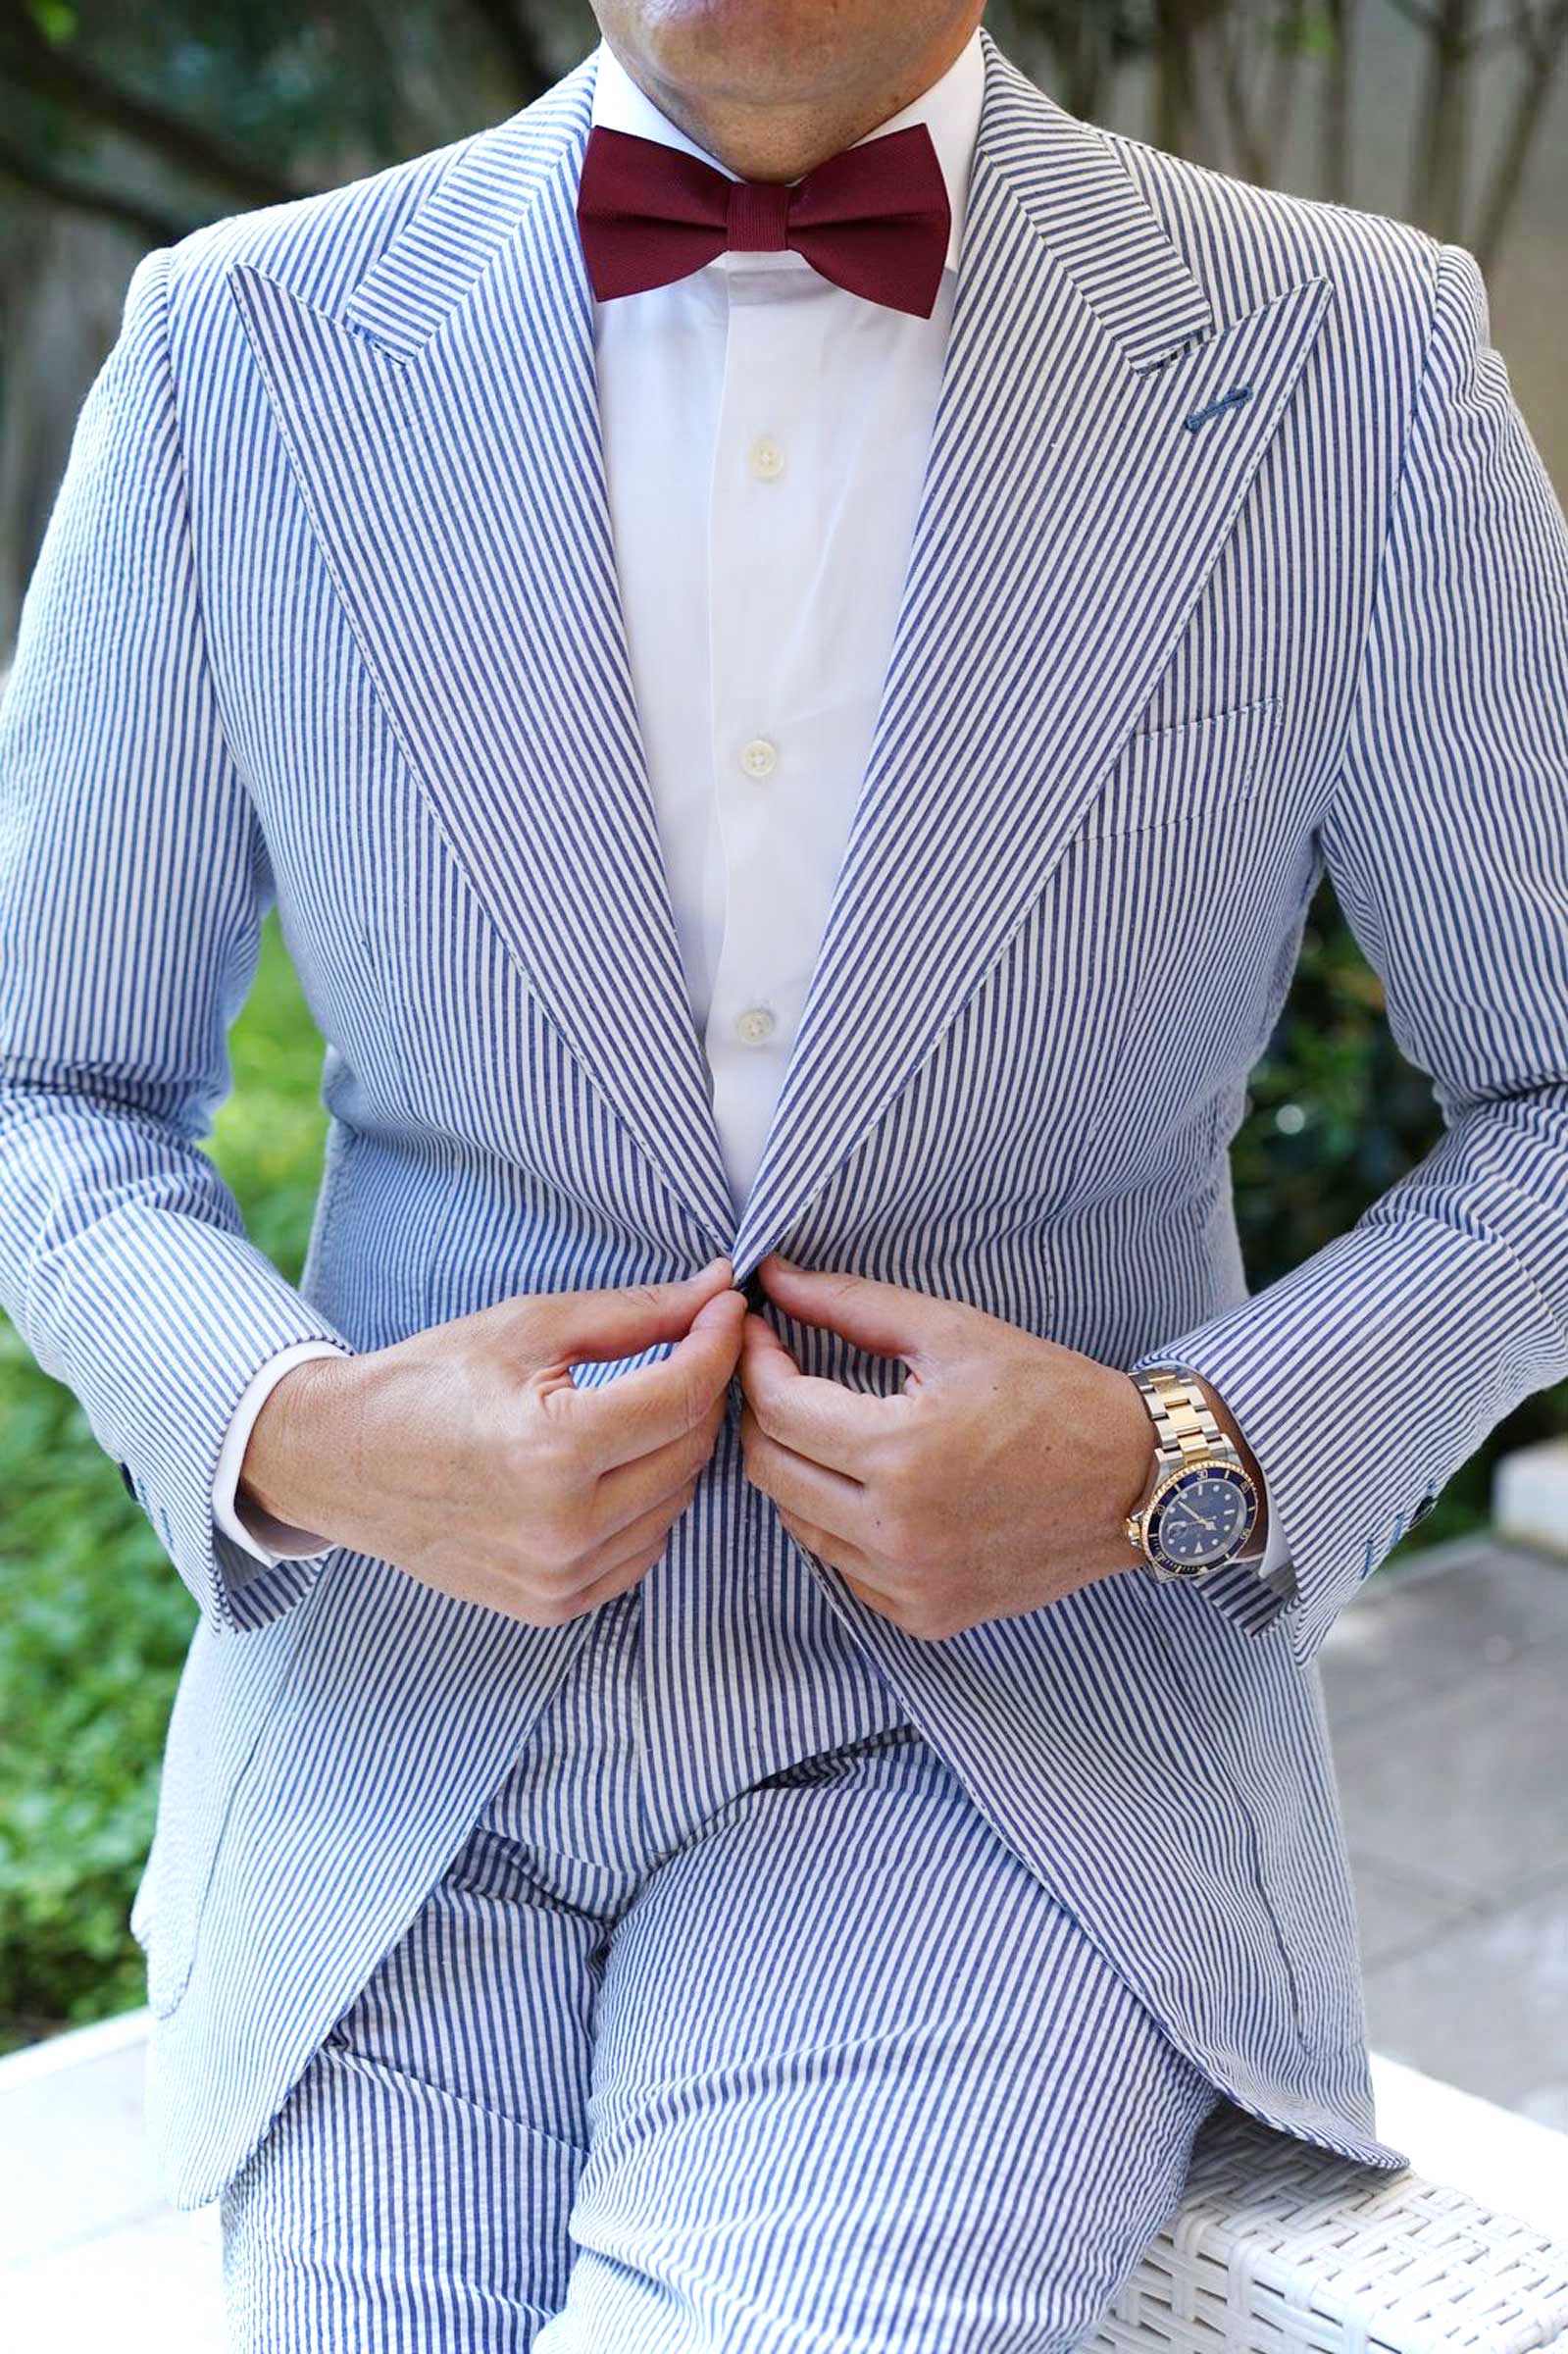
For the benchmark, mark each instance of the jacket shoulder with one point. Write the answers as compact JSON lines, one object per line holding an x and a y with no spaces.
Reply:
{"x":321,"y":243}
{"x":1246,"y":240}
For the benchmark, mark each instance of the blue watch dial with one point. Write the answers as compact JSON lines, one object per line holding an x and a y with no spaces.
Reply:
{"x":1205,"y":1517}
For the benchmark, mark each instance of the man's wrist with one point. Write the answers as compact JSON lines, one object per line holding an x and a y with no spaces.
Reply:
{"x":1145,"y":1448}
{"x":1257,"y":1542}
{"x":293,"y":1461}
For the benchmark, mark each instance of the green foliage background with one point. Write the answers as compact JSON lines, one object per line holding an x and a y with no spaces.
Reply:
{"x":94,"y":1620}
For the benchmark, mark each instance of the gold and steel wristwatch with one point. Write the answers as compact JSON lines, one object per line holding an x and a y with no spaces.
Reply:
{"x":1202,"y":1505}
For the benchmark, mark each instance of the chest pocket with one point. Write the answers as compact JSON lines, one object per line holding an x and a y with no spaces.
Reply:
{"x":1166,"y":917}
{"x":1208,"y":768}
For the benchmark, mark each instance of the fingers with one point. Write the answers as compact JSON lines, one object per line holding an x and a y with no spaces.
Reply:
{"x":580,"y":1327}
{"x":641,"y":1543}
{"x":646,"y":1408}
{"x":883,"y":1318}
{"x":643,"y":1484}
{"x":820,"y":1419}
{"x":630,"y":1556}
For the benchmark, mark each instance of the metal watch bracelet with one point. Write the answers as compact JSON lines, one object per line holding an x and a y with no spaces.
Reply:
{"x":1192,"y":1428}
{"x":1184,"y":1427}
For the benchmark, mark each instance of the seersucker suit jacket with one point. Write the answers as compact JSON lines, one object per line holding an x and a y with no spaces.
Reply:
{"x":1235,"y":561}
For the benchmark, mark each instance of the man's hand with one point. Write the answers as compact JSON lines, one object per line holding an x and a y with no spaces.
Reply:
{"x":466,"y":1457}
{"x":997,"y":1480}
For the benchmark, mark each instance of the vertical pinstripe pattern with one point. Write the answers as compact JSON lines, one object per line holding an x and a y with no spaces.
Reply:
{"x":823,"y":2067}
{"x":326,"y":615}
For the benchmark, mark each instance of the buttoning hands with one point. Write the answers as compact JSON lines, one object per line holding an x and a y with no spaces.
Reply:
{"x":996,"y":1480}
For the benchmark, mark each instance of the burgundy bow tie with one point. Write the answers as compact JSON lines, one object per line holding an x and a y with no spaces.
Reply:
{"x":873,"y":218}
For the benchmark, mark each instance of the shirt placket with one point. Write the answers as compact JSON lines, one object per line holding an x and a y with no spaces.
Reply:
{"x":763,"y":511}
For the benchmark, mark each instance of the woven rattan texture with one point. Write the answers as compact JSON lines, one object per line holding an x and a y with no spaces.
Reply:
{"x":1280,"y":2248}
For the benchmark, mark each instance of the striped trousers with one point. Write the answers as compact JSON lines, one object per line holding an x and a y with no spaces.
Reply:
{"x":827,"y":2068}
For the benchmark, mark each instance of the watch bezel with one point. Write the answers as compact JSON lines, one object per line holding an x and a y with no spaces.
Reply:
{"x":1164,"y":1564}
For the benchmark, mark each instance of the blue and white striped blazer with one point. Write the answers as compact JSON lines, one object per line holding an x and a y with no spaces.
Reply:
{"x":1235,"y":559}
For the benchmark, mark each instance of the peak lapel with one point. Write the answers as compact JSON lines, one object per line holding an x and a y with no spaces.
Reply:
{"x":443,"y":428}
{"x":445,"y":432}
{"x":1068,"y":518}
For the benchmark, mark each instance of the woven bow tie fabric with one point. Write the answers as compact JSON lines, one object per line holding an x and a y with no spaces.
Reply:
{"x":874,"y":218}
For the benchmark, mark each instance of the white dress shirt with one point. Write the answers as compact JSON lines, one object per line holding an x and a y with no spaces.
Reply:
{"x":765,"y":439}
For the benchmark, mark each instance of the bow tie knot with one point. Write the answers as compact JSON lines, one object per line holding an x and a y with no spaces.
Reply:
{"x":874,"y":218}
{"x":758,"y":218}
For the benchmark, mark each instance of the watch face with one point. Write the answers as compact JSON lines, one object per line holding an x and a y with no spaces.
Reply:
{"x":1205,"y":1517}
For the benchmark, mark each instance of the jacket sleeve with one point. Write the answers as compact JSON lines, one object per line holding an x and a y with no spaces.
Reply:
{"x":134,"y":880}
{"x":1366,"y":1376}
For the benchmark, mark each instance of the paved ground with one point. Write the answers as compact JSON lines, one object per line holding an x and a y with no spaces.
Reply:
{"x":1447,"y":1692}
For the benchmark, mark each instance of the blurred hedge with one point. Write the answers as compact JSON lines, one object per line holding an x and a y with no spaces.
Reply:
{"x":94,"y":1621}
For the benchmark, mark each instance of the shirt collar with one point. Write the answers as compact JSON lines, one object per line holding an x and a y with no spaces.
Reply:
{"x":949,"y":109}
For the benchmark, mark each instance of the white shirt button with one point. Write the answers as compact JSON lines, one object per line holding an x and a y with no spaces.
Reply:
{"x":767,"y":459}
{"x":760,"y":758}
{"x":754,"y":1025}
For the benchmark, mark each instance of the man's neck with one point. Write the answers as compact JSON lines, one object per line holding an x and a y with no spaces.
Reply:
{"x":781,"y":141}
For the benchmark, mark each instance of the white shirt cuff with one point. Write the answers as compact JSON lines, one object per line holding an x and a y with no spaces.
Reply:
{"x":268,"y":1538}
{"x":1276,"y":1553}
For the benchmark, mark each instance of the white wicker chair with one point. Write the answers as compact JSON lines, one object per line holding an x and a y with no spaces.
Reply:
{"x":1280,"y":2248}
{"x":1277,"y":2248}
